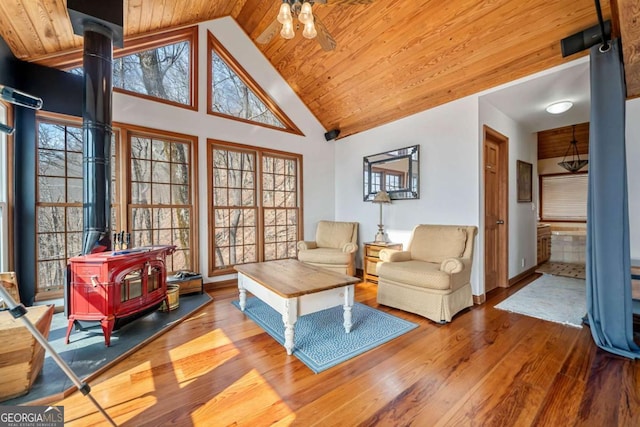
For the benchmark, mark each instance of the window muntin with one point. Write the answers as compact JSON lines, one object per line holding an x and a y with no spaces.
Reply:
{"x":232,"y":93}
{"x":254,"y":205}
{"x":564,"y":197}
{"x":161,"y":207}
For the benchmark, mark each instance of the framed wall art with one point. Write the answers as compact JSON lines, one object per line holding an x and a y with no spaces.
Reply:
{"x":525,"y":187}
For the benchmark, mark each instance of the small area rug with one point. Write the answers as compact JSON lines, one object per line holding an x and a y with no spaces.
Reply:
{"x":320,"y":341}
{"x":87,"y":355}
{"x":553,"y":298}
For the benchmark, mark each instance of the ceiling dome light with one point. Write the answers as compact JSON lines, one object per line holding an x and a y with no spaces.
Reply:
{"x":559,"y":107}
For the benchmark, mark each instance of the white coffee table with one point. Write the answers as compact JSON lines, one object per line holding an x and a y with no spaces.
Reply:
{"x":294,"y":289}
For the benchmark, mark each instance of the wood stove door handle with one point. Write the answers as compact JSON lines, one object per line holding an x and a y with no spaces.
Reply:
{"x":94,"y":281}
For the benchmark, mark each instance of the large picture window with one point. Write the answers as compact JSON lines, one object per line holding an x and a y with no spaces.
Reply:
{"x":254,"y":205}
{"x":160,"y":67}
{"x":153,"y":195}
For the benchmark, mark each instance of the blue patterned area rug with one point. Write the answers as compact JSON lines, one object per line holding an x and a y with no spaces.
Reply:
{"x":320,"y":341}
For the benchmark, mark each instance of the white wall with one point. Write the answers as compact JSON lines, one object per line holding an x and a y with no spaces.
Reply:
{"x":450,"y":142}
{"x":522,"y":216}
{"x":449,"y":170}
{"x":633,"y":175}
{"x":318,"y":156}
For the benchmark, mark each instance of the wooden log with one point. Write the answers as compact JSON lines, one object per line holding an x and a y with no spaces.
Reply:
{"x":10,"y":283}
{"x":21,"y":356}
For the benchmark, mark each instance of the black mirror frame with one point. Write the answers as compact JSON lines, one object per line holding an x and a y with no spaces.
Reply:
{"x":411,"y":190}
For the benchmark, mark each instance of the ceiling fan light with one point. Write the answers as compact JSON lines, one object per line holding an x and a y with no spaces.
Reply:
{"x":285,"y":13}
{"x":559,"y":107}
{"x":309,"y":31}
{"x":306,"y":14}
{"x":287,"y":30}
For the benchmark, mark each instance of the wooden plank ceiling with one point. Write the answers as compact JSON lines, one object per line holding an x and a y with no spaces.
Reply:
{"x":554,"y":142}
{"x":393,"y":57}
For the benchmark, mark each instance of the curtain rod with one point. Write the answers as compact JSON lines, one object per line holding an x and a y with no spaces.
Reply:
{"x":605,"y":42}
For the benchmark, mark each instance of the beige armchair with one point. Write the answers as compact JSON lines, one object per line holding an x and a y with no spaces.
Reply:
{"x":432,"y":277}
{"x":334,"y":248}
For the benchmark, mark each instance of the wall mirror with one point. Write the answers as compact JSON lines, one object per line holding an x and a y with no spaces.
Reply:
{"x":396,"y":171}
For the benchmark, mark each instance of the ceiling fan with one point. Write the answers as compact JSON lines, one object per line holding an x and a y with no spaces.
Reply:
{"x":313,"y":27}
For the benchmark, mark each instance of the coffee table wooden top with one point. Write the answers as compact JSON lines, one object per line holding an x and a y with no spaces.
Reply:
{"x":291,"y":278}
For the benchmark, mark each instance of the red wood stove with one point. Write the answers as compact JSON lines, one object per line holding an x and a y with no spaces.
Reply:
{"x":115,"y":287}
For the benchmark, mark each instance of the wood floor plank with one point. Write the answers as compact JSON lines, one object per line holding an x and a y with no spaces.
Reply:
{"x":562,"y":402}
{"x":487,"y":367}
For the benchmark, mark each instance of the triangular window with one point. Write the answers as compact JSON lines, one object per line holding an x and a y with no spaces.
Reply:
{"x":234,"y":94}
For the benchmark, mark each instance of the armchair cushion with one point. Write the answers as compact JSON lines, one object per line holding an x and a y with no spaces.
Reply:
{"x":325,"y":256}
{"x":435,"y":244}
{"x":394,"y":255}
{"x":416,"y":273}
{"x":331,"y":234}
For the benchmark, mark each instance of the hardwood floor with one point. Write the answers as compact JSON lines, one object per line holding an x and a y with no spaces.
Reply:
{"x":488,"y":367}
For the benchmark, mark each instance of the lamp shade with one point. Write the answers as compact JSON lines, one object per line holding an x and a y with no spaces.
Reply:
{"x":382,"y":197}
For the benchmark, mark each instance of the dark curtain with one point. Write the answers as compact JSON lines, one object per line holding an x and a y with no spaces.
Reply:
{"x":609,"y":303}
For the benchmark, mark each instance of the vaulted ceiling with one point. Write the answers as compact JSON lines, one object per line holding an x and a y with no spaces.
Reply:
{"x":393,"y":57}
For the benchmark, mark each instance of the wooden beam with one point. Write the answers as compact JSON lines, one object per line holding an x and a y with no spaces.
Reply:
{"x":629,"y":16}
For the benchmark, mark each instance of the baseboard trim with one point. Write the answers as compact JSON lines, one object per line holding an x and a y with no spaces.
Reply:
{"x":523,"y":275}
{"x":211,"y":286}
{"x":479,"y":299}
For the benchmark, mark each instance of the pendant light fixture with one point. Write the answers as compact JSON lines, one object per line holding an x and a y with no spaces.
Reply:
{"x":575,"y":164}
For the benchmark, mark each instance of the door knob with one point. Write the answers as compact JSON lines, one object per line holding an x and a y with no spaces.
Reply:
{"x":500,"y":221}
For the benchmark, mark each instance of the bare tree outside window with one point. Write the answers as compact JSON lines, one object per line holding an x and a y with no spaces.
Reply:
{"x":234,"y":207}
{"x":163,"y":72}
{"x":233,"y":93}
{"x":247,"y":184}
{"x":232,"y":97}
{"x":59,"y":201}
{"x":280,"y":207}
{"x":161,"y":206}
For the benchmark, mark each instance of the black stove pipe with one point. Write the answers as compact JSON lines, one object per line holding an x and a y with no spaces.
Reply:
{"x":97,"y":133}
